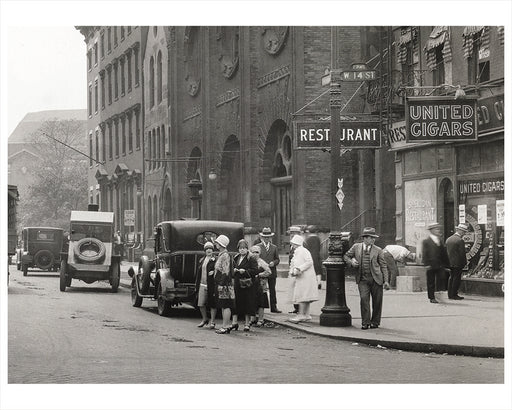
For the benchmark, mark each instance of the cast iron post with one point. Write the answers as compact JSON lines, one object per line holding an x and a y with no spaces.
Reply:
{"x":336,"y":312}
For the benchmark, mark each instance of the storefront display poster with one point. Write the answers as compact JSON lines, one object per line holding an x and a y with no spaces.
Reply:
{"x":500,"y":212}
{"x":462,"y":214}
{"x":482,"y":214}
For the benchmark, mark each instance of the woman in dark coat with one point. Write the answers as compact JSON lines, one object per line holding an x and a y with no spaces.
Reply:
{"x":245,"y":272}
{"x":205,"y":286}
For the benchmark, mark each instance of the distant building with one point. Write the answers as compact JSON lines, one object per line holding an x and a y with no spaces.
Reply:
{"x":23,"y":151}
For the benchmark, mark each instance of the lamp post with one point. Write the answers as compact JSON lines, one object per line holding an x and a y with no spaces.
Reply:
{"x":195,"y":186}
{"x":335,"y":311}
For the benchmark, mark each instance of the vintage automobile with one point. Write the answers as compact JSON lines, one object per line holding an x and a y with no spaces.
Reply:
{"x":170,"y":277}
{"x":90,"y":256}
{"x":40,"y":248}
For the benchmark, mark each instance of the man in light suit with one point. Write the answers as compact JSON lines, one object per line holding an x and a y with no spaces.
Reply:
{"x":270,"y":255}
{"x":371,"y":276}
{"x":456,"y":250}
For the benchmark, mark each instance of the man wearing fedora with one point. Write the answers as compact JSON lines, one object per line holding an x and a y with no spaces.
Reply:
{"x":456,"y":250}
{"x":371,"y":276}
{"x":270,"y":255}
{"x":434,"y":257}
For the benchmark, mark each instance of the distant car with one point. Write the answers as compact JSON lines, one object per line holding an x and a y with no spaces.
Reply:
{"x":41,"y":248}
{"x":170,"y":276}
{"x":90,"y":256}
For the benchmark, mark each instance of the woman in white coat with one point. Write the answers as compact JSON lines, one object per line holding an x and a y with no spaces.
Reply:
{"x":304,"y":286}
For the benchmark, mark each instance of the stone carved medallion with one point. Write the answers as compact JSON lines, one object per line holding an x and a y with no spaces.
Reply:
{"x":274,"y":38}
{"x":229,"y":38}
{"x":192,"y":60}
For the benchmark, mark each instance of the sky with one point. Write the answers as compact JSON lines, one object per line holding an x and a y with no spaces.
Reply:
{"x":46,"y":70}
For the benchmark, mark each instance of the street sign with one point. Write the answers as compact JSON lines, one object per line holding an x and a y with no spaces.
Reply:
{"x":358,"y":75}
{"x":354,"y":134}
{"x":129,"y":217}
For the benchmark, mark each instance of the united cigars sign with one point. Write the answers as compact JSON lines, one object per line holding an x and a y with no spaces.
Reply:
{"x":354,"y":134}
{"x":440,"y":119}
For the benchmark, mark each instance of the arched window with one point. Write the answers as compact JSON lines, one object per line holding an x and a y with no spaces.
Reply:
{"x":158,"y":154}
{"x":151,"y":82}
{"x":159,"y":77}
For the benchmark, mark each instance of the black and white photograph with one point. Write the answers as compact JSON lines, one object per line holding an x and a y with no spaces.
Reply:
{"x":257,"y":205}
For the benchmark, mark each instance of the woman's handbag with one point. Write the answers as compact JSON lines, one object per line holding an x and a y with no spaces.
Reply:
{"x":245,"y":282}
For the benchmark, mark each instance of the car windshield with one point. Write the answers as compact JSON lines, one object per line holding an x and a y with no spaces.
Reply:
{"x":88,"y":230}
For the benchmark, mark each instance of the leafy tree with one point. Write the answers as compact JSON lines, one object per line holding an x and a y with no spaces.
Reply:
{"x":61,"y":175}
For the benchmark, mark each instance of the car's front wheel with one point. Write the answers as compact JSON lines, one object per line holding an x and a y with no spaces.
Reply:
{"x":164,"y":306}
{"x":136,"y":299}
{"x":64,"y":280}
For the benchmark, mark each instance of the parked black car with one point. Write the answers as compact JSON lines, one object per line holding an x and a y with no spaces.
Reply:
{"x":40,"y":248}
{"x":170,"y":277}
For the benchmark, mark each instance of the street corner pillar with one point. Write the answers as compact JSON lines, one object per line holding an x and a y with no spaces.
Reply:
{"x":336,"y":312}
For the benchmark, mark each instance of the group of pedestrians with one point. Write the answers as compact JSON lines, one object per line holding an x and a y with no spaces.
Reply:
{"x":237,"y":285}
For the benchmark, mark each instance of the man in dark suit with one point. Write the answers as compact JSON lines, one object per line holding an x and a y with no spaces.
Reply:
{"x":371,"y":276}
{"x":434,"y":258}
{"x":456,"y":250}
{"x":270,"y":255}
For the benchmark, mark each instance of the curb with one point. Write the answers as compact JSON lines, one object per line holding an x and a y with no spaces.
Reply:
{"x":420,"y":347}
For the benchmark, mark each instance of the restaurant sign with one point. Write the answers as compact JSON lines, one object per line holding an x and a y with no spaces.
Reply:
{"x":440,"y":119}
{"x":354,"y":134}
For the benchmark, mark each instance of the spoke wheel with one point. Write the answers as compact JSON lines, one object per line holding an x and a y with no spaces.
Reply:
{"x":164,"y":306}
{"x":136,"y":299}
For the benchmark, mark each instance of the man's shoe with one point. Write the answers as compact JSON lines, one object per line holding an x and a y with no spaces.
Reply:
{"x":457,"y":297}
{"x":275,"y":310}
{"x":374,"y":326}
{"x":365,"y":327}
{"x":294,"y":312}
{"x":433,"y":301}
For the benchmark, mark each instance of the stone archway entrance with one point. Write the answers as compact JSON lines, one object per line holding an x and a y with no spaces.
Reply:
{"x":276,"y":181}
{"x":229,"y":191}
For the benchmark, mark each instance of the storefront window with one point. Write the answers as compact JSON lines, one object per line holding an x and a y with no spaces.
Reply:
{"x":468,"y":159}
{"x":444,"y":158}
{"x":411,"y":163}
{"x":481,"y":201}
{"x":492,"y":156}
{"x":428,"y":159}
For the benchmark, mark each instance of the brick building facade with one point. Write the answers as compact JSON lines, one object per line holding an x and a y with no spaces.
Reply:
{"x":226,"y":145}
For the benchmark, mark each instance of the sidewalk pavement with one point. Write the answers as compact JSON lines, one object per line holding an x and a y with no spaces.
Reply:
{"x":472,"y":327}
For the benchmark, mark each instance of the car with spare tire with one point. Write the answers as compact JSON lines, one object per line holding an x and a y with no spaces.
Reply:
{"x":40,"y":248}
{"x":91,"y":255}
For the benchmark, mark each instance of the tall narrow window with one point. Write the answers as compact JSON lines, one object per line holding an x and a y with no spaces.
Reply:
{"x":151,"y":82}
{"x":122,"y":32}
{"x":150,"y":150}
{"x":123,"y":134}
{"x":129,"y":69}
{"x":109,"y":39}
{"x":130,"y":134}
{"x":158,"y":144}
{"x":116,"y":137}
{"x":164,"y":142}
{"x":102,"y":89}
{"x":116,"y":87}
{"x":159,"y":77}
{"x":110,"y":142}
{"x":115,"y":36}
{"x":90,"y":101}
{"x":122,"y":76}
{"x":90,"y":149}
{"x":102,"y":44}
{"x":438,"y":73}
{"x":103,"y":145}
{"x":109,"y":85}
{"x":136,"y":64}
{"x":95,"y":53}
{"x":89,"y":60}
{"x":137,"y":129}
{"x":97,"y":145}
{"x":95,"y":96}
{"x":154,"y":149}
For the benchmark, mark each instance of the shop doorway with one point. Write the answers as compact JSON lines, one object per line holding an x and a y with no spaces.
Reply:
{"x":447,"y":201}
